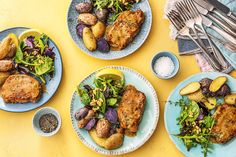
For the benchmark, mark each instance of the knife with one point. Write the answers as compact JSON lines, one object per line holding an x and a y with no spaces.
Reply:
{"x":212,"y":9}
{"x":222,"y":24}
{"x":224,"y":34}
{"x":223,"y":8}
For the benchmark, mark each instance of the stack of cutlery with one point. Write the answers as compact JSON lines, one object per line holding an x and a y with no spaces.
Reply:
{"x":192,"y":17}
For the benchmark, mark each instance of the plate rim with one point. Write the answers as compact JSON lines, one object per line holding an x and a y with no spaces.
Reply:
{"x":113,"y":58}
{"x":156,"y":117}
{"x":27,"y":110}
{"x":166,"y":104}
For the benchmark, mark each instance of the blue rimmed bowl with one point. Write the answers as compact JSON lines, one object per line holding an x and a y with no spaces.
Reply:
{"x":172,"y":57}
{"x":39,"y":114}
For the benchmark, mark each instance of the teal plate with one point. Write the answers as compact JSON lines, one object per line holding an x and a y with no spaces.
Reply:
{"x":172,"y":112}
{"x":51,"y":85}
{"x":147,"y":125}
{"x":72,"y":18}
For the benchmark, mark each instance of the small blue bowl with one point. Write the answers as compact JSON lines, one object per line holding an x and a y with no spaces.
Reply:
{"x":39,"y":114}
{"x":172,"y":57}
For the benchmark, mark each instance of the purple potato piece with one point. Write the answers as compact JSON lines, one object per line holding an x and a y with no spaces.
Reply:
{"x":102,"y":14}
{"x":81,"y":113}
{"x":205,"y":82}
{"x":102,"y":45}
{"x":84,"y":7}
{"x":79,"y":29}
{"x":111,"y":115}
{"x":90,"y":124}
{"x":223,"y":91}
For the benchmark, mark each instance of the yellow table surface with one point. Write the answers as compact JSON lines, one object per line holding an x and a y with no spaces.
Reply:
{"x":17,"y":137}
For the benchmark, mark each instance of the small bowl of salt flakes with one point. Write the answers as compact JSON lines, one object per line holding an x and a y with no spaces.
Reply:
{"x":165,"y":65}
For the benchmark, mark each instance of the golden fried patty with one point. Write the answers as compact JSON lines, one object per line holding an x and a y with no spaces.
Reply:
{"x":20,"y":89}
{"x":131,"y":109}
{"x":124,"y":29}
{"x":225,"y":126}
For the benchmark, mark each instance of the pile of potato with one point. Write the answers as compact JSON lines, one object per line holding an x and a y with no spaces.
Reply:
{"x":206,"y":91}
{"x":91,"y":27}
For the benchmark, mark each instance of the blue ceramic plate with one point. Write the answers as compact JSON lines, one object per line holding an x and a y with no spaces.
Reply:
{"x":147,"y":125}
{"x":132,"y":47}
{"x":51,"y":86}
{"x":172,"y":112}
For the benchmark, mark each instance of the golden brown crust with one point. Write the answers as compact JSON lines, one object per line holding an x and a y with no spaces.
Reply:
{"x":21,"y":89}
{"x":6,"y":65}
{"x":131,"y":109}
{"x":7,"y":48}
{"x":124,"y":29}
{"x":225,"y":127}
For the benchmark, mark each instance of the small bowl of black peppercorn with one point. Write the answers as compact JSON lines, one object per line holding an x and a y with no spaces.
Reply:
{"x":46,"y":121}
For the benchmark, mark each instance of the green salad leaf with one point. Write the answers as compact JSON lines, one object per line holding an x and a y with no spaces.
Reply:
{"x":194,"y":131}
{"x":43,"y":65}
{"x":34,"y":57}
{"x":84,"y":95}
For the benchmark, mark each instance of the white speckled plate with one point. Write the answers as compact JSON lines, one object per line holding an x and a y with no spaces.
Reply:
{"x":132,"y":47}
{"x":147,"y":125}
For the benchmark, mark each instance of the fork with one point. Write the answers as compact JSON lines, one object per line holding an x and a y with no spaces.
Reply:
{"x":190,"y":17}
{"x":198,"y":20}
{"x":182,"y":29}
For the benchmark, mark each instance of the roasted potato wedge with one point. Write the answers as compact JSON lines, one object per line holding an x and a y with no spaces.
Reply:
{"x":114,"y":141}
{"x":98,"y":29}
{"x":190,"y":88}
{"x":89,"y":39}
{"x":197,"y":96}
{"x":230,"y":99}
{"x":7,"y":48}
{"x":87,"y":19}
{"x":210,"y":103}
{"x":217,"y":83}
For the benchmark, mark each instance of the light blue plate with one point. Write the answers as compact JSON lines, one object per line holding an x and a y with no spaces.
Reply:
{"x":147,"y":125}
{"x":172,"y":112}
{"x":132,"y":47}
{"x":51,"y":85}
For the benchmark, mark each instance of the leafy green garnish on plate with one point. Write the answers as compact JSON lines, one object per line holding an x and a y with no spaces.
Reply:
{"x":116,"y":7}
{"x":31,"y":54}
{"x":106,"y":93}
{"x":195,"y":125}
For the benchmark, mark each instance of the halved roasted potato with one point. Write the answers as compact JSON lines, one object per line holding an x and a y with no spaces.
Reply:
{"x":210,"y":103}
{"x":217,"y":83}
{"x":112,"y":142}
{"x":230,"y":99}
{"x":197,"y":96}
{"x":190,"y":88}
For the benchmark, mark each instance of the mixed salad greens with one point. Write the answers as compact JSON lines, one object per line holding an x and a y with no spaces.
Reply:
{"x":34,"y":56}
{"x":196,"y":123}
{"x":106,"y":93}
{"x":115,"y":6}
